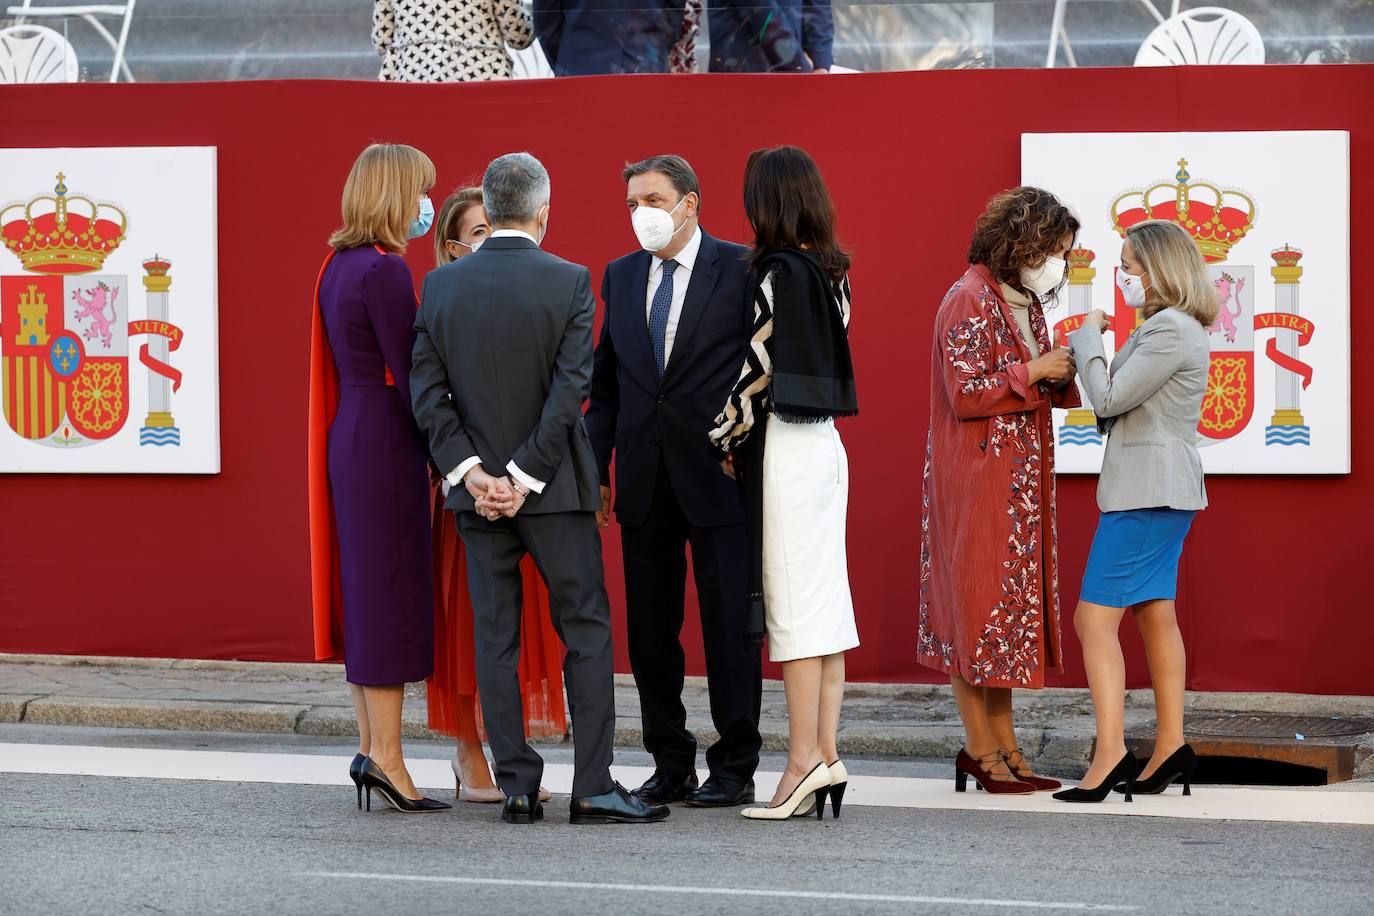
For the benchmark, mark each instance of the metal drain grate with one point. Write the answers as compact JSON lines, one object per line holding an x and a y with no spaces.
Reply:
{"x":1242,"y":726}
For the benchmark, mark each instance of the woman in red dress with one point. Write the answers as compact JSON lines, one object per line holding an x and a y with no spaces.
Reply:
{"x":989,"y":612}
{"x":460,"y":228}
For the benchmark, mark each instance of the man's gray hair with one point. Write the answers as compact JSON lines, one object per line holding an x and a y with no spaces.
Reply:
{"x":514,"y":189}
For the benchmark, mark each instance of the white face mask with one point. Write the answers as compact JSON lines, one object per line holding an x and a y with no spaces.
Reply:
{"x":472,"y":249}
{"x":1132,"y":288}
{"x":654,"y":227}
{"x":1045,"y":278}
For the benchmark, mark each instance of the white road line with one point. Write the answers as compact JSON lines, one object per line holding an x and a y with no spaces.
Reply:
{"x":1206,"y":803}
{"x":728,"y":891}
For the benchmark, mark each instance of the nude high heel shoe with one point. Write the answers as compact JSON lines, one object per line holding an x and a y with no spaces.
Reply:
{"x":469,"y":794}
{"x":816,"y":783}
{"x":483,"y":796}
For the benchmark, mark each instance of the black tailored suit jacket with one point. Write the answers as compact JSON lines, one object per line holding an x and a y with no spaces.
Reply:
{"x":584,"y":37}
{"x":639,"y":417}
{"x":507,"y":332}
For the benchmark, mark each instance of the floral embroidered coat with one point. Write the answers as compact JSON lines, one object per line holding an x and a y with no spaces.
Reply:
{"x":989,"y":567}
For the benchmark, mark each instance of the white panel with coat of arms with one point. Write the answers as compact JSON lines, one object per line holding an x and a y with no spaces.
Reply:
{"x":109,"y":334}
{"x":1270,"y":214}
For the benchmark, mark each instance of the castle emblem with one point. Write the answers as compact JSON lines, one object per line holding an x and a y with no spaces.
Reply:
{"x":65,"y":328}
{"x":1218,"y":218}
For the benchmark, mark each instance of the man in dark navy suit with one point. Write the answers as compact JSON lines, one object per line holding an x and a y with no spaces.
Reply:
{"x":583,"y":37}
{"x":771,"y":36}
{"x":673,"y":337}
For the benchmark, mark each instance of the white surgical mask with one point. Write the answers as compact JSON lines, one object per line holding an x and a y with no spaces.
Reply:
{"x":473,"y":247}
{"x":1132,"y":288}
{"x":1045,"y":278}
{"x":421,"y":223}
{"x":654,"y":227}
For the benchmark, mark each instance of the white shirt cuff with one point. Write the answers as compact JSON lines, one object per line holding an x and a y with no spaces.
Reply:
{"x":455,"y":476}
{"x":525,"y":480}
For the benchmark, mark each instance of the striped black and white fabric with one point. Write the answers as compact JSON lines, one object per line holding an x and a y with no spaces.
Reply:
{"x":749,"y":399}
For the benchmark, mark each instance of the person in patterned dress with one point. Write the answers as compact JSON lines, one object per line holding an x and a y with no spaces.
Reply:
{"x":448,"y":41}
{"x":989,"y":590}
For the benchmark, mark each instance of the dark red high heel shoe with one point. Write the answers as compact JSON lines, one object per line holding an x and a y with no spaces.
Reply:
{"x":965,"y":766}
{"x":1016,"y":761}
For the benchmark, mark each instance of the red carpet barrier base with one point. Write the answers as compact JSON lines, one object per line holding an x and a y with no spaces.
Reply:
{"x":1273,"y":596}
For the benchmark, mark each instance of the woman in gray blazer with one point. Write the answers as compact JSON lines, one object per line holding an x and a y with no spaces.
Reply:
{"x":1149,"y":402}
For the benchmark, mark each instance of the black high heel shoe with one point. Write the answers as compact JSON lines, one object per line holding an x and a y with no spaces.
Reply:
{"x":355,"y":773}
{"x":1179,"y":765}
{"x":1123,"y":772}
{"x":374,"y":778}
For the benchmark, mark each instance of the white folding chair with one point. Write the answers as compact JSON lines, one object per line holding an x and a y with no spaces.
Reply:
{"x":1058,"y":32}
{"x":35,"y":54}
{"x":1206,"y":35}
{"x":91,"y":13}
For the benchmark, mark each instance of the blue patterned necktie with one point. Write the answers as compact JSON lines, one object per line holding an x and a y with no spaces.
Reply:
{"x":658,"y":316}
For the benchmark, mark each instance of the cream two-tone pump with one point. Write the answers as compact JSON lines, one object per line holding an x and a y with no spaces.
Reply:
{"x":816,"y":783}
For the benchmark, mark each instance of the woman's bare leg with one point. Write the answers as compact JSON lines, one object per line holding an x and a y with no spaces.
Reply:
{"x":1168,"y":673}
{"x":1097,"y":627}
{"x":979,"y":739}
{"x":360,"y":712}
{"x":832,"y":698}
{"x":472,"y":761}
{"x":801,"y":679}
{"x":384,"y":722}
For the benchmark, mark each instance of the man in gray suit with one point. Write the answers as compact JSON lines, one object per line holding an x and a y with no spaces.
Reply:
{"x":502,"y":364}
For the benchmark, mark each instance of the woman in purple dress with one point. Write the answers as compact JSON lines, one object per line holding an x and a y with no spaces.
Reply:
{"x":378,"y":575}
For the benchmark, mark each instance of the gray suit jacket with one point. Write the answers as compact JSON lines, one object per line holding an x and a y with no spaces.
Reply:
{"x":1149,"y":402}
{"x":501,"y":366}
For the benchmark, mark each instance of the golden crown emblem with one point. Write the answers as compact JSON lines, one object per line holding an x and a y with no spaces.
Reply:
{"x":1217,"y":218}
{"x":1287,"y":256}
{"x":1080,"y":258}
{"x":62,"y":234}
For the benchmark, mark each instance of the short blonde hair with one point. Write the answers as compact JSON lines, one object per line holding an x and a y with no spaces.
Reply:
{"x":450,"y":215}
{"x":380,"y":194}
{"x":1178,"y":274}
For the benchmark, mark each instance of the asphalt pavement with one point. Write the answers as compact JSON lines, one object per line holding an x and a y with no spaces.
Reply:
{"x":75,"y":844}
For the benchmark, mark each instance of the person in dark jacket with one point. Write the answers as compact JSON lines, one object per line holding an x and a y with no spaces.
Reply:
{"x":673,"y":338}
{"x":771,"y":36}
{"x":585,"y":37}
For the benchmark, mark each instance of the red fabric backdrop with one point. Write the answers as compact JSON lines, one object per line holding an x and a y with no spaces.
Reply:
{"x":1271,"y":580}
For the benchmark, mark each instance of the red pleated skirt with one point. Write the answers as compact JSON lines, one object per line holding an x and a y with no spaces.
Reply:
{"x":454,"y":709}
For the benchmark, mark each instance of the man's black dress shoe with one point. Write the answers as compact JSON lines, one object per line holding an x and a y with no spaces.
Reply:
{"x":662,"y":789}
{"x":721,"y":793}
{"x":522,"y":809}
{"x":615,"y":807}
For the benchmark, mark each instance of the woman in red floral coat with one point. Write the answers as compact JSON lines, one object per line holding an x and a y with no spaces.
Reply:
{"x":989,"y":613}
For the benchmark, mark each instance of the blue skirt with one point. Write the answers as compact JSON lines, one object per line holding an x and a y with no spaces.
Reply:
{"x":1134,"y":557}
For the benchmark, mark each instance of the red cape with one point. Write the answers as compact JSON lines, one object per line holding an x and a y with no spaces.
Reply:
{"x":325,"y":587}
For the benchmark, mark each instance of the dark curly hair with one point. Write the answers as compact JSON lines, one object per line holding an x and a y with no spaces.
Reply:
{"x":1019,"y":229}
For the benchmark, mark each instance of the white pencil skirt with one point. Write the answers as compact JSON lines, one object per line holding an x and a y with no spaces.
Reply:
{"x":805,"y":568}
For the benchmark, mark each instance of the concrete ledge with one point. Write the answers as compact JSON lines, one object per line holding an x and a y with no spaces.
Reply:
{"x":883,"y":720}
{"x":917,"y":740}
{"x":1364,"y":763}
{"x":1052,"y":698}
{"x":183,"y":715}
{"x":1064,"y":750}
{"x":193,"y":664}
{"x":12,"y":708}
